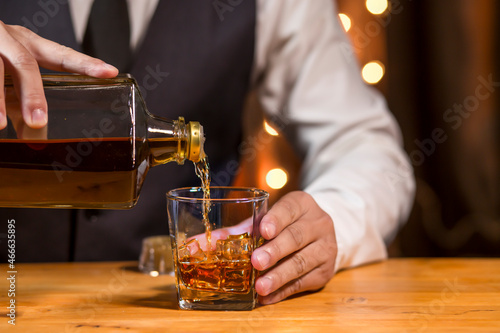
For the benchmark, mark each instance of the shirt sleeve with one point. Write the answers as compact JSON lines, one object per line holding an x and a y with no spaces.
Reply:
{"x":308,"y":82}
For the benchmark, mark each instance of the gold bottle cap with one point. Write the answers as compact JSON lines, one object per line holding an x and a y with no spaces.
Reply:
{"x":196,"y":141}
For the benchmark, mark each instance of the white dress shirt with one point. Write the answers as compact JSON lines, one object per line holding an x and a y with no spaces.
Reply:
{"x":306,"y":76}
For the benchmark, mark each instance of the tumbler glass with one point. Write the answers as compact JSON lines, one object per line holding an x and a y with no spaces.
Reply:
{"x":156,"y":256}
{"x":212,"y":258}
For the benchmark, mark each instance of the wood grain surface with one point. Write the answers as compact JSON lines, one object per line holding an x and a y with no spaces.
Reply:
{"x":398,"y":295}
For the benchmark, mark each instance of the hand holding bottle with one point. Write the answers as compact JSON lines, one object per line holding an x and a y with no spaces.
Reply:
{"x":21,"y":54}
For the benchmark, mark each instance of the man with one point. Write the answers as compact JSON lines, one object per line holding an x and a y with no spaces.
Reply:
{"x":199,"y":59}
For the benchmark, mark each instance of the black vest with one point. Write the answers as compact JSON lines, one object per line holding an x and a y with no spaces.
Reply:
{"x":195,"y":62}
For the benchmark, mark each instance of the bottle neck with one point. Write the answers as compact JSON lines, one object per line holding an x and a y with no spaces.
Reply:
{"x":174,"y":140}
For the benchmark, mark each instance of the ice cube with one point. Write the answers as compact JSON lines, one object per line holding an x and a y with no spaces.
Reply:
{"x":191,"y":252}
{"x":235,"y":247}
{"x":208,"y":274}
{"x":242,"y":236}
{"x":236,"y":276}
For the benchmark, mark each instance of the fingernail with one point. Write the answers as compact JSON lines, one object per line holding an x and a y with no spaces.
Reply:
{"x":263,"y":258}
{"x":38,"y":118}
{"x":110,"y":67}
{"x":101,"y":69}
{"x":269,"y":229}
{"x":265,"y":284}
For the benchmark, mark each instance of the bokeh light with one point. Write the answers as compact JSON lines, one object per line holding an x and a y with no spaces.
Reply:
{"x":373,"y":72}
{"x":377,"y":7}
{"x":346,"y":21}
{"x":269,"y":129}
{"x":276,"y":178}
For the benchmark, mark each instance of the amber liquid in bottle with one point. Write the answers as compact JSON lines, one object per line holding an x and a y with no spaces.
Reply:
{"x":99,"y":142}
{"x":78,"y":170}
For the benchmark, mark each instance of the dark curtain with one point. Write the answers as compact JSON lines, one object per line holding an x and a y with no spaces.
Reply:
{"x":444,"y":89}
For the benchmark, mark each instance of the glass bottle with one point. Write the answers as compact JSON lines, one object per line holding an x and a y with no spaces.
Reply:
{"x":96,"y":149}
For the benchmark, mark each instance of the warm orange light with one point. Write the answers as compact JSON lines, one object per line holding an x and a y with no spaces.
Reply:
{"x":346,"y":21}
{"x":276,"y":178}
{"x":377,"y":7}
{"x":269,"y":129}
{"x":373,"y":72}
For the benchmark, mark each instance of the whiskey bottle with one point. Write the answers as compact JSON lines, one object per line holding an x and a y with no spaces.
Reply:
{"x":96,"y":149}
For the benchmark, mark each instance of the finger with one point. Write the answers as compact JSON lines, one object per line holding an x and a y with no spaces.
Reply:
{"x":238,"y":229}
{"x":293,"y":238}
{"x":311,"y":281}
{"x":57,"y":57}
{"x":27,"y":80}
{"x":3,"y":110}
{"x":13,"y":106}
{"x":294,"y":232}
{"x":284,"y":212}
{"x":293,"y":267}
{"x":215,"y":235}
{"x":27,"y":133}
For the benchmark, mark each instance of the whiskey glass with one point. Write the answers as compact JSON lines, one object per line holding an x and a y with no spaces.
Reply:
{"x":212,"y":258}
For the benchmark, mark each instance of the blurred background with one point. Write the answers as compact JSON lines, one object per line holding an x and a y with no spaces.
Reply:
{"x":435,"y":63}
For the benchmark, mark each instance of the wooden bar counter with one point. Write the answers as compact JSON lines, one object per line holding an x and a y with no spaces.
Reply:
{"x":398,"y":295}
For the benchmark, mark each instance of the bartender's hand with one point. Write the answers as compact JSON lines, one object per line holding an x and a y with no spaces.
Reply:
{"x":21,"y":52}
{"x":301,"y":252}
